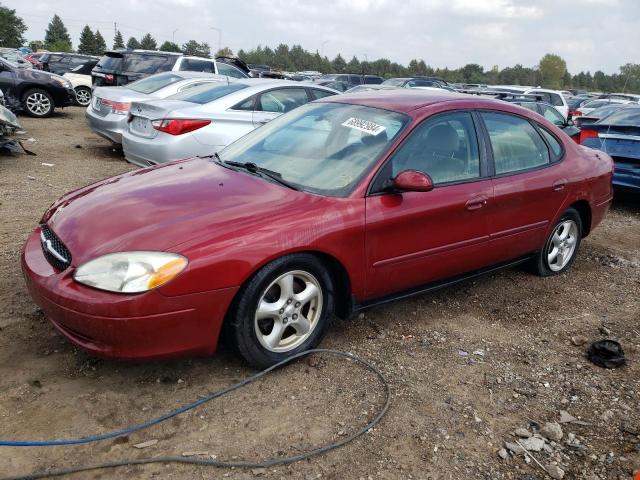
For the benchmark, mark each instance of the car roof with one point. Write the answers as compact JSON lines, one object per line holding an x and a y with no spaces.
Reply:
{"x":403,"y":100}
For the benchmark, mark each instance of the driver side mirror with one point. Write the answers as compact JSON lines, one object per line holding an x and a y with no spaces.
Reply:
{"x":413,"y":181}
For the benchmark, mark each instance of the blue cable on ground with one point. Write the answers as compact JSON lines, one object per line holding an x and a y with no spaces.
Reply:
{"x":213,"y":463}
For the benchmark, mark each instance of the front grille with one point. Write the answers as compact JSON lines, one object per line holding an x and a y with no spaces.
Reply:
{"x":54,"y":250}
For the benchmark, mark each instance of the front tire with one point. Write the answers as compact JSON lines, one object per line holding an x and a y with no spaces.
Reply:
{"x":561,"y":247}
{"x":38,"y":103}
{"x":283,"y":310}
{"x":83,"y":96}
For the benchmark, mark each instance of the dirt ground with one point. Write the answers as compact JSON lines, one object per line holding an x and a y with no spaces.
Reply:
{"x":450,"y":413}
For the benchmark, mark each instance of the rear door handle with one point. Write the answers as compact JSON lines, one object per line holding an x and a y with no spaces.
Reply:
{"x":559,"y":185}
{"x":476,"y":203}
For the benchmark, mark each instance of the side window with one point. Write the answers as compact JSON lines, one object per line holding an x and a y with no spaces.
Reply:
{"x":552,"y":115}
{"x":355,"y":79}
{"x":554,"y":143}
{"x":230,"y":71}
{"x":247,"y":105}
{"x":78,"y":60}
{"x":320,"y":93}
{"x":516,"y":144}
{"x":196,"y":65}
{"x":282,"y":100}
{"x":444,"y":147}
{"x":556,"y":100}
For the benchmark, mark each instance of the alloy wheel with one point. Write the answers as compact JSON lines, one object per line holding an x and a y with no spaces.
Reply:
{"x":288,"y":311}
{"x":38,"y":104}
{"x":83,"y":96}
{"x":562,"y":245}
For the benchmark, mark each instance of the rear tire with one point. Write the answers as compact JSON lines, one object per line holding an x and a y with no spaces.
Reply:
{"x":283,"y":310}
{"x":38,"y":103}
{"x":561,"y":247}
{"x":83,"y":96}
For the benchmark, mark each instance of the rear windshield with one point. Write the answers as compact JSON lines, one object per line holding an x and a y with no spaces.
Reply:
{"x":627,"y":116}
{"x":111,"y":62}
{"x":154,"y":82}
{"x":137,"y":62}
{"x":207,"y":93}
{"x":395,"y":82}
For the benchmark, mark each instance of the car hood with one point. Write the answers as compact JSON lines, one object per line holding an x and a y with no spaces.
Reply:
{"x":161,"y":207}
{"x":35,"y":75}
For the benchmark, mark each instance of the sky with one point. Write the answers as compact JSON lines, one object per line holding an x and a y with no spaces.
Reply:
{"x":588,"y":34}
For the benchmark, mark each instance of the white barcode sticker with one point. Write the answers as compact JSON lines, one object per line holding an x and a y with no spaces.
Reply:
{"x":366,"y":126}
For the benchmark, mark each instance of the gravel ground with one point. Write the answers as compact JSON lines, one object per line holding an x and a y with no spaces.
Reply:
{"x":468,"y":366}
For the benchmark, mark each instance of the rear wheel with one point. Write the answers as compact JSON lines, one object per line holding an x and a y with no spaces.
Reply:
{"x":38,"y":103}
{"x":560,"y":249}
{"x":83,"y":96}
{"x":284,"y":309}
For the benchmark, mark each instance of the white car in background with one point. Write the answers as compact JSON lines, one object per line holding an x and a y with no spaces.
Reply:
{"x":80,"y":78}
{"x":552,"y":97}
{"x":107,"y":115}
{"x":203,"y":120}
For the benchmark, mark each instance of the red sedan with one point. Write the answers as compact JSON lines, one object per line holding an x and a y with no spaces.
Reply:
{"x":340,"y":204}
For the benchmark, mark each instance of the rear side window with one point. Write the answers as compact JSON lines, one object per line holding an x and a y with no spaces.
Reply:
{"x":551,"y":114}
{"x":355,"y":79}
{"x":515,"y":143}
{"x":282,"y":100}
{"x":556,"y":100}
{"x":246,"y":105}
{"x":444,"y":147}
{"x":230,"y":71}
{"x":207,"y":93}
{"x":317,"y":93}
{"x":553,"y":142}
{"x":196,"y":65}
{"x":111,"y":62}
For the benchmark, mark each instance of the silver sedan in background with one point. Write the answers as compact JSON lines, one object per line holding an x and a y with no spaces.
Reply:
{"x":109,"y":108}
{"x":205,"y":119}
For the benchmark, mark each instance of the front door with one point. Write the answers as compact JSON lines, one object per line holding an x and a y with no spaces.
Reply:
{"x":414,"y":238}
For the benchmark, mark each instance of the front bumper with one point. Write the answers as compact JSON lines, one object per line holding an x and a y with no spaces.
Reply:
{"x":107,"y":127}
{"x":162,"y":148}
{"x":63,"y":97}
{"x":132,"y":327}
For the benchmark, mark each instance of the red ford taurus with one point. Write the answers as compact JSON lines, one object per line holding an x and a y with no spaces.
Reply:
{"x":340,"y":204}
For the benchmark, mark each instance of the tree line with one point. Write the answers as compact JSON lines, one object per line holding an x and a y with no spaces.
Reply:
{"x":550,"y":72}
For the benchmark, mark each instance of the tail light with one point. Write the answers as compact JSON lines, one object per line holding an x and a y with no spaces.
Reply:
{"x":179,"y":126}
{"x":586,"y":133}
{"x":119,"y":108}
{"x":577,"y":113}
{"x":108,"y":77}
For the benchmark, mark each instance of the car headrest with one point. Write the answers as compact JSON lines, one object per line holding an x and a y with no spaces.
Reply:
{"x":442,"y":138}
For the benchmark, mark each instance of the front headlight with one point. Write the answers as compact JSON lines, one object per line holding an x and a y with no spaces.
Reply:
{"x":62,"y":81}
{"x":130,"y":272}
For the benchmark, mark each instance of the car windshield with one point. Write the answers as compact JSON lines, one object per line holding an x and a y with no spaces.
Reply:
{"x":596,"y":103}
{"x":324,"y":148}
{"x":147,"y":63}
{"x":154,"y":82}
{"x":394,"y":82}
{"x":208,"y":92}
{"x":602,"y":112}
{"x":629,"y":116}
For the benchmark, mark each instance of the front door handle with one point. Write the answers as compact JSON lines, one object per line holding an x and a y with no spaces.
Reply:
{"x":476,"y":203}
{"x":559,"y":185}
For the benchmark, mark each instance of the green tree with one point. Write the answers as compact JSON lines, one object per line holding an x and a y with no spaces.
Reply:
{"x":148,"y":42}
{"x":338,"y":64}
{"x":224,"y":52}
{"x":118,"y":42}
{"x":133,"y":43}
{"x":12,"y":28}
{"x":552,"y":69}
{"x":99,"y":45}
{"x":87,"y":41}
{"x":57,"y":37}
{"x":354,"y":65}
{"x":196,"y":49}
{"x":170,"y":47}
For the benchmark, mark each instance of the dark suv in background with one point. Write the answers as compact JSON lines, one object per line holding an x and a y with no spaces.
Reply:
{"x":61,"y":63}
{"x":344,"y":81}
{"x":36,"y":92}
{"x":120,"y":67}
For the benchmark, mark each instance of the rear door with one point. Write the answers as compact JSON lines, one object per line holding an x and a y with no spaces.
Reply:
{"x":414,"y":238}
{"x":273,"y":103}
{"x":529,"y":185}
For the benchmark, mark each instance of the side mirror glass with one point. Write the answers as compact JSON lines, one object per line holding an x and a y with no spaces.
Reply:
{"x":413,"y":181}
{"x":570,"y":123}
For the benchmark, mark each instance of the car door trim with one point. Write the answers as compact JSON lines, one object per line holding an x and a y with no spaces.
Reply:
{"x":516,"y":230}
{"x":431,"y":251}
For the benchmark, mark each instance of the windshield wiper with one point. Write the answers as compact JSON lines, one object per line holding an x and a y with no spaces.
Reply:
{"x":253,"y":168}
